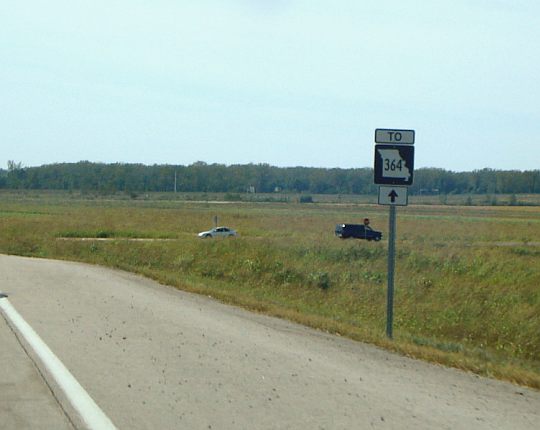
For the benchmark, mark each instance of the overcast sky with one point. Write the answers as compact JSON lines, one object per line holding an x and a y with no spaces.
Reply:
{"x":284,"y":82}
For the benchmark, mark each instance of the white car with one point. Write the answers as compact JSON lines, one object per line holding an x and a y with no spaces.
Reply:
{"x":218,"y":232}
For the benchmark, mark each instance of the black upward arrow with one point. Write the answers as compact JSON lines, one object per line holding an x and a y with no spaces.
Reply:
{"x":393,"y":196}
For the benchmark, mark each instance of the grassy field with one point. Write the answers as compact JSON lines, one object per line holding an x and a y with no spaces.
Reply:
{"x":467,"y":277}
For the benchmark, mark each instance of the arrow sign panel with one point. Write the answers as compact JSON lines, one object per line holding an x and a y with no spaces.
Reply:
{"x":393,"y":196}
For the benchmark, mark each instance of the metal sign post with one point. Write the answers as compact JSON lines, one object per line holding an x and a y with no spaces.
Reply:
{"x":391,"y":268}
{"x":394,"y":166}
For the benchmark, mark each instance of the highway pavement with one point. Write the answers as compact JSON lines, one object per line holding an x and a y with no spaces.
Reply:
{"x":152,"y":357}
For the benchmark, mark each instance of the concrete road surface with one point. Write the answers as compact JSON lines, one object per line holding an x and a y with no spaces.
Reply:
{"x":26,"y":402}
{"x":156,"y":358}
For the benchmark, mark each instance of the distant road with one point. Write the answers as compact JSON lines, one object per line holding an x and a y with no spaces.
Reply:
{"x":153,"y":357}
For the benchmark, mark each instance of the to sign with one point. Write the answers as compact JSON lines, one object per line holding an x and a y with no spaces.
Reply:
{"x":398,"y":137}
{"x":394,"y":164}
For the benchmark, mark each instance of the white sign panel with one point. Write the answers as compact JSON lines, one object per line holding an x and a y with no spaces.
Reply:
{"x":393,"y":165}
{"x":396,"y":137}
{"x":393,"y":196}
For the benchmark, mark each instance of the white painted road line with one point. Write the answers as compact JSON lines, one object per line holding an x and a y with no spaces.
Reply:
{"x":90,"y":413}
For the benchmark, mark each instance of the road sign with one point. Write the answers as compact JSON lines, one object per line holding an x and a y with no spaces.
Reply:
{"x":394,"y":165}
{"x":398,"y":137}
{"x":393,"y":196}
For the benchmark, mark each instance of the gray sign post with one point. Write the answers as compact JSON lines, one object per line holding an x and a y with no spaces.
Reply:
{"x":391,"y":269}
{"x":394,"y":165}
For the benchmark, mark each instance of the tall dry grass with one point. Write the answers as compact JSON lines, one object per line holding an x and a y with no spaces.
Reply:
{"x":467,"y":278}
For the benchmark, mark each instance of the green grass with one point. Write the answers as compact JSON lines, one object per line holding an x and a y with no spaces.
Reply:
{"x":467,"y":278}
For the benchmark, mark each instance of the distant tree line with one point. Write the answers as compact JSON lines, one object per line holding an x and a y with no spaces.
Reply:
{"x":261,"y":178}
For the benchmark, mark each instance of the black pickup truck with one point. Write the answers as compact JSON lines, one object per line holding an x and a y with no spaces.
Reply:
{"x":357,"y":231}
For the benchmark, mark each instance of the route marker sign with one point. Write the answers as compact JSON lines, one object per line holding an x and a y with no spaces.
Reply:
{"x":393,"y":196}
{"x":400,"y":137}
{"x":394,"y":164}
